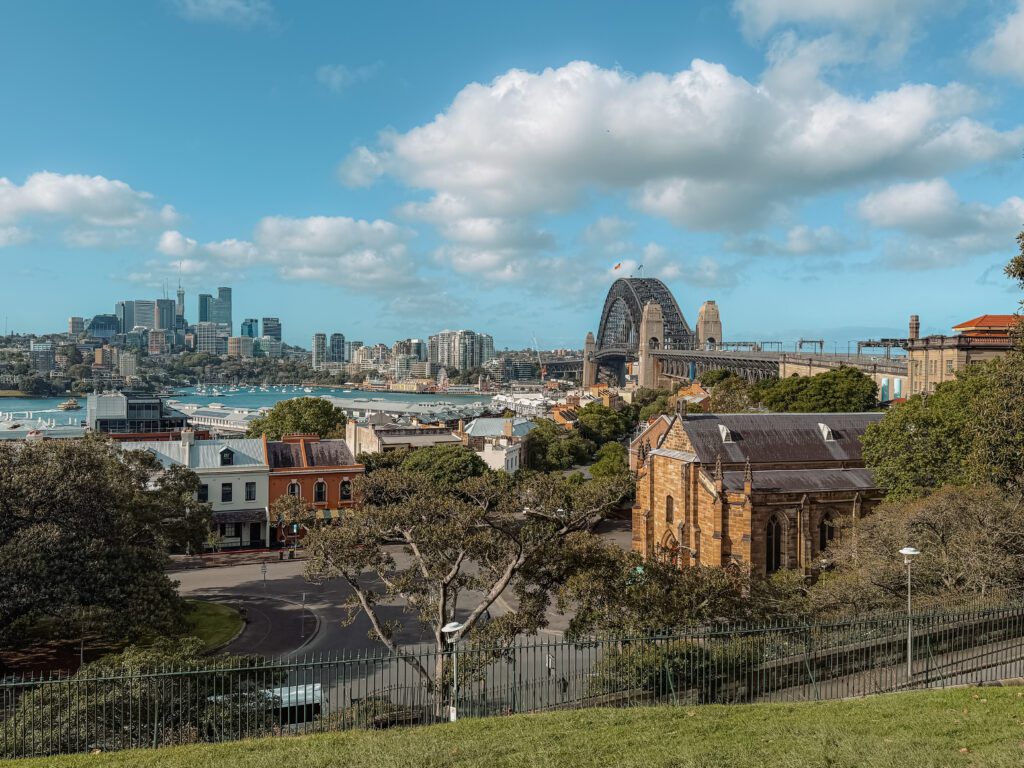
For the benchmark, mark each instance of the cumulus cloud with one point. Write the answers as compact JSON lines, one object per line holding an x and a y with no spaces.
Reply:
{"x":1003,"y":52}
{"x":702,"y":148}
{"x":242,"y":13}
{"x":372,"y":255}
{"x":338,"y":77}
{"x":800,"y":240}
{"x":939,"y":229}
{"x":759,"y":17}
{"x":13,"y":236}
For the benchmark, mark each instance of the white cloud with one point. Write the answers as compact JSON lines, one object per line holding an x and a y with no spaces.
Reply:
{"x":1003,"y":52}
{"x":939,"y":229}
{"x":800,"y":240}
{"x":702,"y":148}
{"x":173,"y":243}
{"x":759,"y":17}
{"x":338,"y":77}
{"x":241,"y":13}
{"x":13,"y":236}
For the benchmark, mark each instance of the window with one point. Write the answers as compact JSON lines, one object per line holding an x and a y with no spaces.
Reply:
{"x":204,"y":492}
{"x":226,"y":492}
{"x":949,"y":366}
{"x":773,"y":546}
{"x":346,"y":490}
{"x":320,"y":492}
{"x":250,"y":491}
{"x":826,"y":532}
{"x":227,"y":457}
{"x":670,"y":511}
{"x":293,"y":488}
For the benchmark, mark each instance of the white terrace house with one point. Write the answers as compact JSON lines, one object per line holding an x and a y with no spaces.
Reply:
{"x":234,"y":478}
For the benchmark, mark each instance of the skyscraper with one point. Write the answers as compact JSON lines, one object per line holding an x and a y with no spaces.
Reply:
{"x":336,"y":352}
{"x":250,"y":327}
{"x":145,"y":313}
{"x":205,"y":308}
{"x":319,"y":350}
{"x":272,"y":327}
{"x":350,"y":350}
{"x":179,"y":308}
{"x":222,"y":309}
{"x":463,"y":350}
{"x":125,"y":311}
{"x":165,"y":314}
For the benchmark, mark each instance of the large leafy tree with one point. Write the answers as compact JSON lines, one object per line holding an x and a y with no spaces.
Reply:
{"x":301,"y":415}
{"x":550,"y":447}
{"x":462,"y":546}
{"x":446,"y":465}
{"x":601,"y":424}
{"x":87,"y":531}
{"x":971,"y":542}
{"x":843,"y":390}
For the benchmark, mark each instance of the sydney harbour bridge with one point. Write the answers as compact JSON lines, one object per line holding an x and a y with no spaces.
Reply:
{"x":642,"y":324}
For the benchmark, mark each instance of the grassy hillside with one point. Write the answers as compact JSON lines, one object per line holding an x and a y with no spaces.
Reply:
{"x":961,"y":727}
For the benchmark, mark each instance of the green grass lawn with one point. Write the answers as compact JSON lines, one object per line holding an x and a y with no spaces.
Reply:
{"x":960,"y":727}
{"x":213,"y":623}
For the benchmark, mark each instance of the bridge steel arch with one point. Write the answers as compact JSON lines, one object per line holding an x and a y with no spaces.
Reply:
{"x":618,"y":333}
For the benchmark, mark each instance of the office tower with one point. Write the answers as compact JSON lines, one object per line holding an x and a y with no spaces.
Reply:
{"x":222,"y":309}
{"x":205,"y":308}
{"x":319,"y":350}
{"x":336,"y":351}
{"x":125,"y":312}
{"x":103,"y":327}
{"x":165,"y":314}
{"x":179,"y":307}
{"x":250,"y":327}
{"x":272,"y":327}
{"x":145,"y":314}
{"x":76,"y":326}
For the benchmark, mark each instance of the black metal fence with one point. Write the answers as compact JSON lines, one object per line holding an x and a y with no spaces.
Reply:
{"x":782,"y":661}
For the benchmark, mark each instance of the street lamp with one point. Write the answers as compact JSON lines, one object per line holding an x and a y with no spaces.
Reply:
{"x":909,"y":553}
{"x":450,"y":629}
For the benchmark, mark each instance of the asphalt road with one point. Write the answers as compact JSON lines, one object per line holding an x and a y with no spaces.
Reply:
{"x":288,"y":616}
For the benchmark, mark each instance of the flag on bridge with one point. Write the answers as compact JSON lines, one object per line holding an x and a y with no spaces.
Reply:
{"x":617,"y":265}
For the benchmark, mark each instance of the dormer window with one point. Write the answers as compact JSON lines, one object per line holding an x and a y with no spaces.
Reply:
{"x":826,"y":432}
{"x":725,"y":433}
{"x":227,"y":457}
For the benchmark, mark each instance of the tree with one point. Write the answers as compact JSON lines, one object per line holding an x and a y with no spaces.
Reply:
{"x":612,"y":461}
{"x":843,"y":390}
{"x":87,"y":530}
{"x":550,"y":447}
{"x":601,"y":424}
{"x":301,"y":415}
{"x":710,"y":379}
{"x":971,"y":542}
{"x":225,"y":696}
{"x":463,"y":546}
{"x":731,"y":395}
{"x":445,"y":465}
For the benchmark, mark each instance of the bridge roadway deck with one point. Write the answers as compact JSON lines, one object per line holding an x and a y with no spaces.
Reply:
{"x":708,"y":358}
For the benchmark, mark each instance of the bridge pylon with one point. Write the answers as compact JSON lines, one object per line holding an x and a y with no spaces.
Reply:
{"x":589,"y":378}
{"x":652,"y":339}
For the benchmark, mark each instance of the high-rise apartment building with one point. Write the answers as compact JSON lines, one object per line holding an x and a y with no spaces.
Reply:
{"x":319,"y":350}
{"x":76,"y":326}
{"x":350,"y":350}
{"x":267,"y":346}
{"x":336,"y":350}
{"x":240,"y":346}
{"x":272,"y":327}
{"x":463,"y":350}
{"x":127,"y":364}
{"x":211,"y":338}
{"x":250,"y":327}
{"x":41,"y":356}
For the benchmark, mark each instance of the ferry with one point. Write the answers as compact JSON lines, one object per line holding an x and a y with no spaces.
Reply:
{"x":69,"y":405}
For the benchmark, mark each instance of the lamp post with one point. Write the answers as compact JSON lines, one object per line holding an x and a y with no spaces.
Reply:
{"x":909,"y":553}
{"x":451,"y":629}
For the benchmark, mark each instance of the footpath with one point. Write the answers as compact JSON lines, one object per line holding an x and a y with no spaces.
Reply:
{"x":242,"y":557}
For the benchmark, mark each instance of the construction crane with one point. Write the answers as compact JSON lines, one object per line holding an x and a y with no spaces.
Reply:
{"x":540,"y":363}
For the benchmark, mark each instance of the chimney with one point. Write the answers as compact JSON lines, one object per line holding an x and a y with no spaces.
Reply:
{"x":462,"y":427}
{"x":915,"y":327}
{"x":188,"y":437}
{"x":507,"y":427}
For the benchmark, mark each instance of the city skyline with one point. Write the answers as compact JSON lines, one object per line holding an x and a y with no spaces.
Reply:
{"x":866,"y":164}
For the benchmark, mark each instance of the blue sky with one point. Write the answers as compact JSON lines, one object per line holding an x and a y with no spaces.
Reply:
{"x":392,"y":169}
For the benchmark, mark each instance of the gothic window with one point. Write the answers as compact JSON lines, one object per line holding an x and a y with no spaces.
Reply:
{"x":826,"y":532}
{"x":320,"y":491}
{"x":773,"y":545}
{"x":670,"y":512}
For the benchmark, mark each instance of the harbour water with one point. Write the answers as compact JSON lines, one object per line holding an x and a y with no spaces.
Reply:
{"x":46,"y":407}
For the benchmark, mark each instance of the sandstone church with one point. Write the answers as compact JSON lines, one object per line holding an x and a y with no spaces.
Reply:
{"x":767,"y":491}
